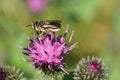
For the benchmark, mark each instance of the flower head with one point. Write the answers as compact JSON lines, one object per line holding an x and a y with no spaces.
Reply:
{"x":91,"y":68}
{"x":47,"y":52}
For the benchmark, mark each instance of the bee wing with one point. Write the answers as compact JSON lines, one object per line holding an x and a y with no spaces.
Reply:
{"x":52,"y":21}
{"x":54,"y":24}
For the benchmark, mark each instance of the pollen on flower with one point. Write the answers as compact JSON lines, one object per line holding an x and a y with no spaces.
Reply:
{"x":47,"y":52}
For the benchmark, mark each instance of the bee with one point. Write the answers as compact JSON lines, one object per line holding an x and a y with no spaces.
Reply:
{"x":42,"y":27}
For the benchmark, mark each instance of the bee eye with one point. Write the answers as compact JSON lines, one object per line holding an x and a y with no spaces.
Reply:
{"x":41,"y":23}
{"x":35,"y":23}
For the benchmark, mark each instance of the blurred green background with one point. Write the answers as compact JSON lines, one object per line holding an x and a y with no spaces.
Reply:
{"x":96,"y":24}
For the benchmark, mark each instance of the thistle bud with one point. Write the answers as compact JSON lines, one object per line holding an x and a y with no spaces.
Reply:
{"x":92,"y":68}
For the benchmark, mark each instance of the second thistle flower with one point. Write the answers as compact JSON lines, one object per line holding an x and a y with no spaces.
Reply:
{"x":91,"y":68}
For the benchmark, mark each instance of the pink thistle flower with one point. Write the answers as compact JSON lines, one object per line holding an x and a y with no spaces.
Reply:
{"x":36,"y":6}
{"x":47,"y":52}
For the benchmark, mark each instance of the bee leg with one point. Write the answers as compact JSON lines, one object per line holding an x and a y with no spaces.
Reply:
{"x":66,"y":31}
{"x":47,"y":32}
{"x":53,"y":33}
{"x":40,"y":34}
{"x":37,"y":33}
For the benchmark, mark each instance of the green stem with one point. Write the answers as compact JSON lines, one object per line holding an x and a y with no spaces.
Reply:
{"x":54,"y":77}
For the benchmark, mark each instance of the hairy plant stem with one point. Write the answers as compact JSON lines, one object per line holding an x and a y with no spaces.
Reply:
{"x":54,"y":77}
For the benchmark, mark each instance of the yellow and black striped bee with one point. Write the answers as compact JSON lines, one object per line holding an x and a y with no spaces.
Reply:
{"x":46,"y":26}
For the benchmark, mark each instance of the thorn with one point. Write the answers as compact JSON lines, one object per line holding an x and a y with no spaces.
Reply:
{"x":71,"y":36}
{"x":23,"y":58}
{"x":73,"y":46}
{"x":19,"y":47}
{"x":66,"y":31}
{"x":64,"y":71}
{"x":26,"y":37}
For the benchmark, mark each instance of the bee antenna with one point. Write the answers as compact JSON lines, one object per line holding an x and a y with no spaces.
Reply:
{"x":28,"y":25}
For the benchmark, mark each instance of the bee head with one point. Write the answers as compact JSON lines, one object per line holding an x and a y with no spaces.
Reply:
{"x":35,"y":23}
{"x":41,"y":23}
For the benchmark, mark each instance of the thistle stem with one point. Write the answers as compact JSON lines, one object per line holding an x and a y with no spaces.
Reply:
{"x":54,"y":77}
